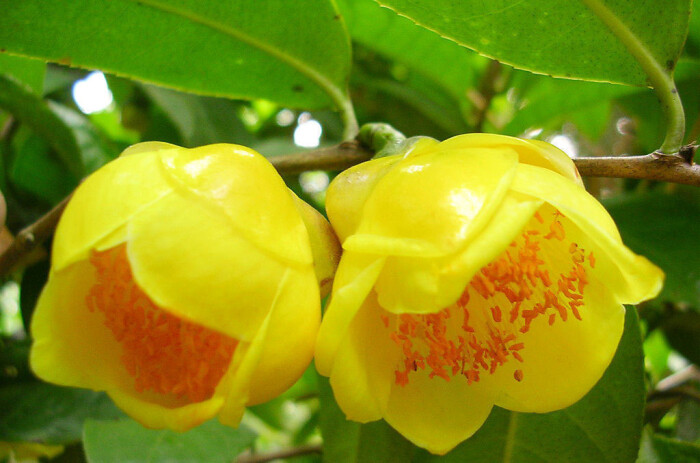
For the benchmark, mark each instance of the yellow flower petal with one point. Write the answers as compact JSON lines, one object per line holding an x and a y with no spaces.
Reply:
{"x":158,"y":416}
{"x":363,"y":371}
{"x":429,"y":285}
{"x":324,"y":244}
{"x":237,"y":181}
{"x":216,"y":278}
{"x":72,"y":346}
{"x":104,"y":202}
{"x":437,"y":414}
{"x":578,"y":351}
{"x":147,"y":147}
{"x":533,"y":152}
{"x":354,"y":186}
{"x":514,"y":213}
{"x":237,"y":383}
{"x":353,"y":281}
{"x":290,"y":338}
{"x":421,"y":198}
{"x":632,"y":278}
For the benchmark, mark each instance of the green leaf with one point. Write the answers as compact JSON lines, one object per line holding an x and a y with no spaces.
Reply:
{"x":414,"y":107}
{"x":444,"y":62}
{"x":646,"y":110}
{"x":29,"y":71}
{"x":36,"y":171}
{"x":656,"y":354}
{"x":33,"y":280}
{"x":294,"y":53}
{"x":660,"y":226}
{"x":201,"y":120}
{"x":127,"y":441}
{"x":40,"y":412}
{"x":692,"y":44}
{"x":563,"y":39}
{"x":26,"y":106}
{"x":351,"y":442}
{"x":551,"y":102}
{"x":14,"y":361}
{"x":604,"y":426}
{"x":659,"y":449}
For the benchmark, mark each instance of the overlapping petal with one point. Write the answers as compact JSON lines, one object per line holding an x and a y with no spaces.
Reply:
{"x":72,"y":347}
{"x":422,"y":200}
{"x":631,"y":277}
{"x":229,"y":177}
{"x":362,"y":374}
{"x":533,"y":152}
{"x":106,"y":201}
{"x":171,"y":254}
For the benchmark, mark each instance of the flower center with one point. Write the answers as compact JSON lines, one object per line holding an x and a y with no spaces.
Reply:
{"x":484,"y":329}
{"x":163,"y":353}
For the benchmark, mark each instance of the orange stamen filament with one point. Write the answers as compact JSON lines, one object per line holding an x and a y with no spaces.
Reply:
{"x":477,"y":338}
{"x":163,"y":353}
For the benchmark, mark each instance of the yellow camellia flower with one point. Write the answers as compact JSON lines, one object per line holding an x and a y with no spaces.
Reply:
{"x":183,"y":283}
{"x":476,"y":272}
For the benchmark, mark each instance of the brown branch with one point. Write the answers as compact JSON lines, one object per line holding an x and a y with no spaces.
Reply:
{"x":288,"y":453}
{"x":338,"y":157}
{"x":670,"y":391}
{"x":688,"y":392}
{"x":661,"y":167}
{"x":669,"y":168}
{"x":30,"y":238}
{"x":679,"y":378}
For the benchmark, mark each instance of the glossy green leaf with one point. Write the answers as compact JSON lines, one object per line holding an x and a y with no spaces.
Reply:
{"x":14,"y":361}
{"x":201,"y":120}
{"x":563,"y":39}
{"x":294,"y":53}
{"x":28,"y":108}
{"x":656,"y":354}
{"x":451,"y":66}
{"x":604,"y":426}
{"x":33,"y":279}
{"x":550,"y":102}
{"x":646,"y":110}
{"x":40,"y":412}
{"x":415,"y":107}
{"x":692,"y":44}
{"x":36,"y":171}
{"x":659,"y":449}
{"x":127,"y":441}
{"x":661,"y":227}
{"x":351,"y":442}
{"x":29,"y":71}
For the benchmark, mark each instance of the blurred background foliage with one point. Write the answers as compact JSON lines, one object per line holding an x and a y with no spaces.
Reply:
{"x":59,"y":123}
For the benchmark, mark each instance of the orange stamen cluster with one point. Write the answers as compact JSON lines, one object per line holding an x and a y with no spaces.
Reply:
{"x":507,"y":295}
{"x":163,"y":353}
